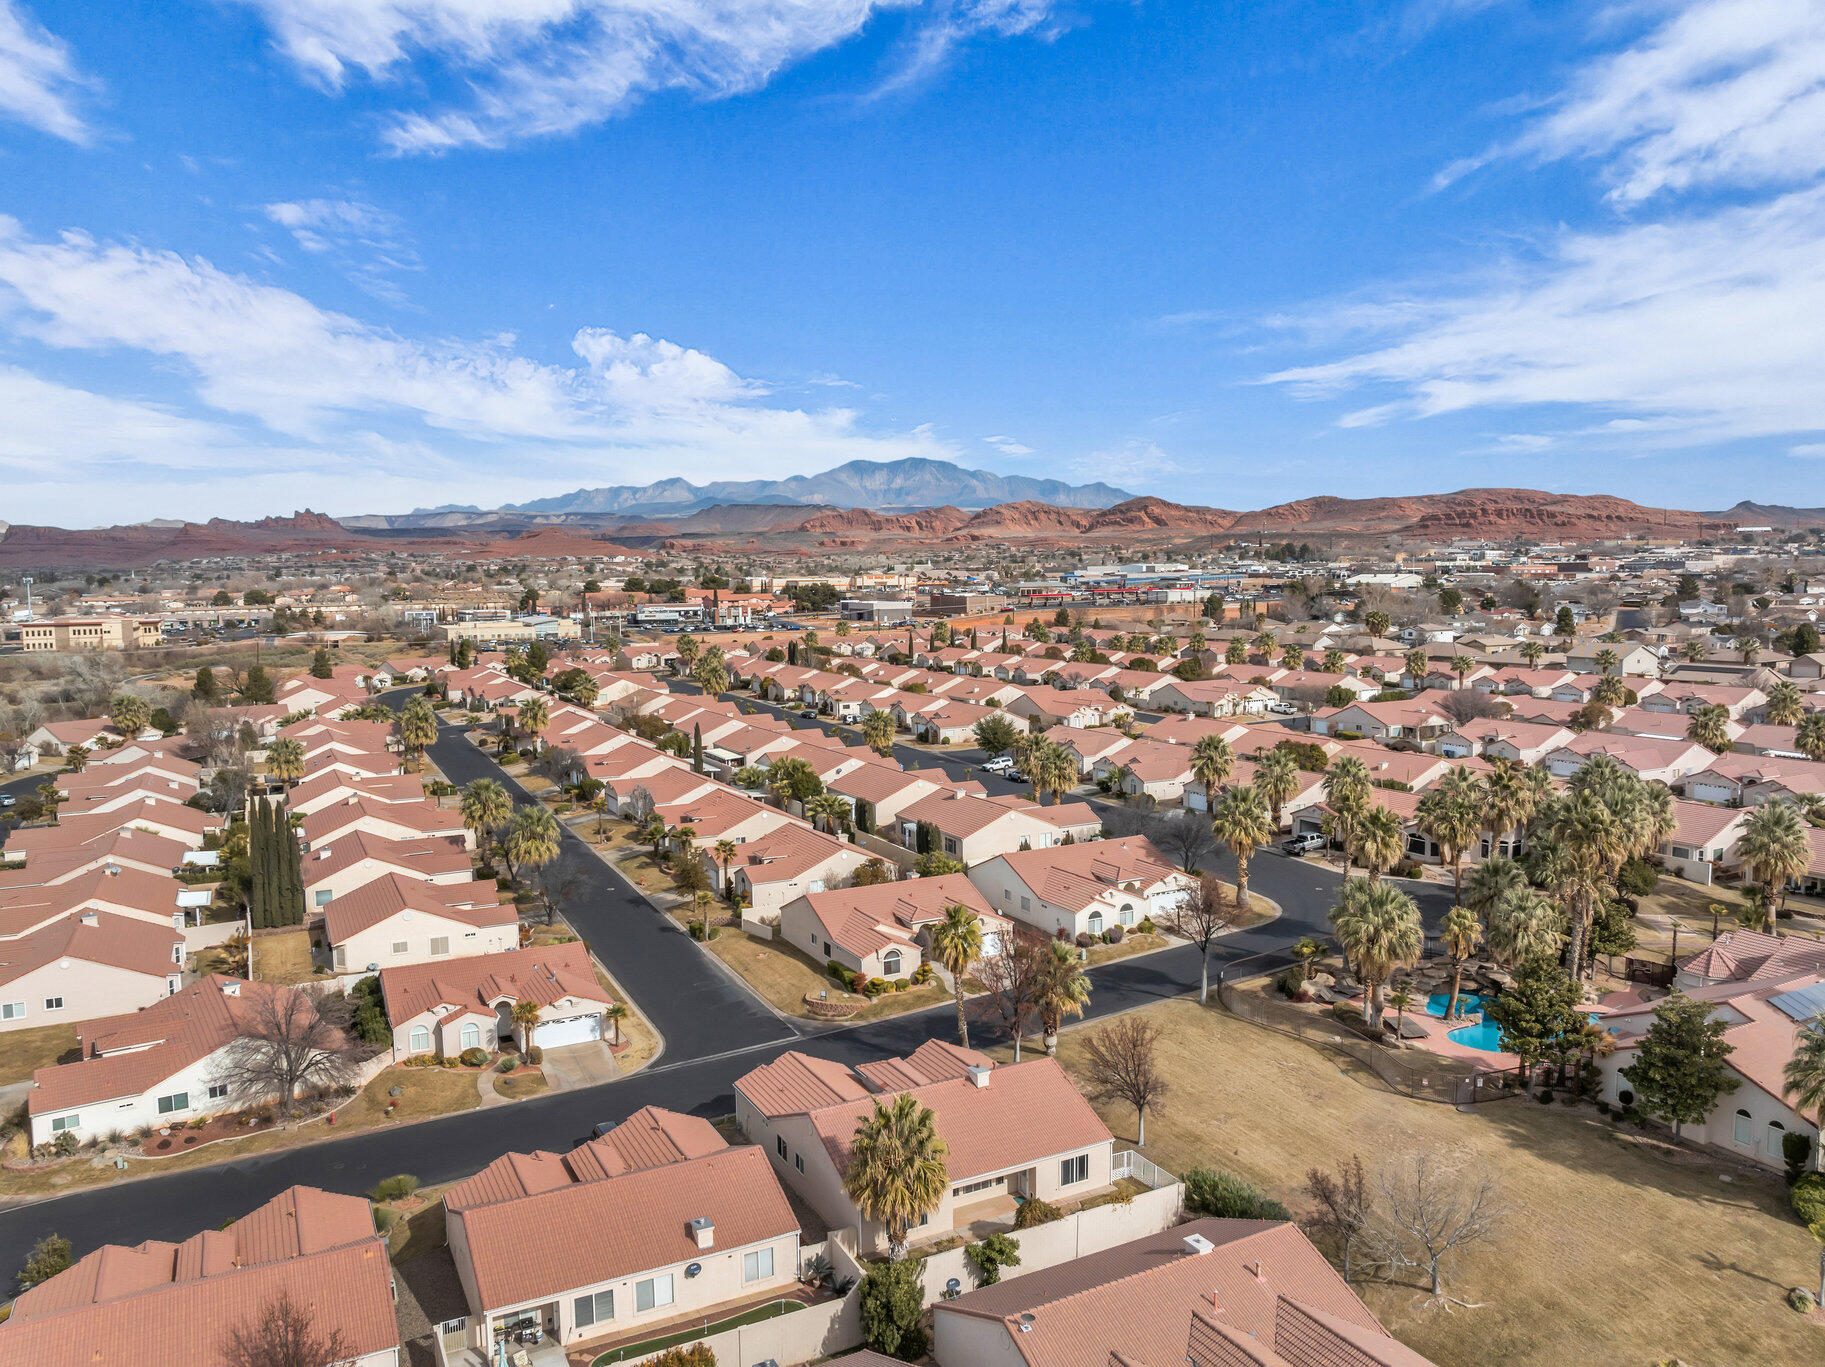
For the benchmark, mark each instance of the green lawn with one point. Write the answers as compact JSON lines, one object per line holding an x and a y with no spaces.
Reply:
{"x":770,"y":1311}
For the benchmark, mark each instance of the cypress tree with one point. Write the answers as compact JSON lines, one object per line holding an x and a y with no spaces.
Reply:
{"x":269,"y":863}
{"x":256,"y":862}
{"x":697,"y":749}
{"x":294,"y":871}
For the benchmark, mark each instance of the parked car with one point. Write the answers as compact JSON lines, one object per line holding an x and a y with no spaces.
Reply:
{"x":1001,"y":764}
{"x":1284,"y":709}
{"x":1309,"y":843}
{"x":808,"y":712}
{"x":7,"y":800}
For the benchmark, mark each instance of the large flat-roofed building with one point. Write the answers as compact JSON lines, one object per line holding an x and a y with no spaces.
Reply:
{"x":513,"y":629}
{"x":966,"y":604}
{"x":875,"y":610}
{"x":105,"y":631}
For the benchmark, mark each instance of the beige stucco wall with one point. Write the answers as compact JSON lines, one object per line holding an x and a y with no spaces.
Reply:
{"x":375,"y":945}
{"x":88,"y":990}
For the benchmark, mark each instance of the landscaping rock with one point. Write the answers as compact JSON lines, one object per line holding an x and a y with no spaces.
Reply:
{"x":1802,"y":1300}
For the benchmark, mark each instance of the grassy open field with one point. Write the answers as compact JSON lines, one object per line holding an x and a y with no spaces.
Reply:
{"x":1618,"y":1249}
{"x":283,"y":958}
{"x":784,"y":976}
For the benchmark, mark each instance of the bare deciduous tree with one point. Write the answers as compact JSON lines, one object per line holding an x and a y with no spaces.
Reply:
{"x":638,"y":806}
{"x":284,"y":1334}
{"x":1428,"y":1208}
{"x":292,"y":1040}
{"x":556,"y":883}
{"x":1184,"y":838}
{"x":1343,"y":1205}
{"x":1204,"y":915}
{"x":1121,"y":1064}
{"x":1471,"y":704}
{"x":1013,"y":980}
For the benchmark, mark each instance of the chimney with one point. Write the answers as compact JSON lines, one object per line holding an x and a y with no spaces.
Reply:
{"x":703,"y":1231}
{"x":1259,"y":1271}
{"x":89,"y":918}
{"x":1196,"y":1245}
{"x":979,"y":1074}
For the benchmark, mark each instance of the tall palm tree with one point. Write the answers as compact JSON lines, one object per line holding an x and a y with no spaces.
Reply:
{"x":1588,"y":841}
{"x":1346,"y":789}
{"x":1064,"y":991}
{"x":1804,"y":1076}
{"x":1524,"y":925}
{"x":1276,"y":779}
{"x":526,"y":1017}
{"x":1710,"y":727}
{"x":1381,"y":840}
{"x":1242,"y":823}
{"x":1236,"y":652}
{"x":1462,"y":932}
{"x":1490,"y":881}
{"x":1748,"y":647}
{"x":1293,"y":657}
{"x":1415,"y":663}
{"x":1774,"y":848}
{"x":1606,"y":660}
{"x":826,"y":807}
{"x":1054,"y":771}
{"x":285,"y":760}
{"x":1211,"y":763}
{"x":1460,"y":666}
{"x":1809,"y":740}
{"x":531,"y":840}
{"x":1694,"y":652}
{"x":1265,"y":643}
{"x":534,"y":716}
{"x":616,"y":1013}
{"x":896,"y":1173}
{"x":1508,"y":803}
{"x":956,"y":944}
{"x":417,"y":726}
{"x":486,"y":808}
{"x":598,"y":803}
{"x":1533,"y":652}
{"x":877,"y":732}
{"x":726,"y":852}
{"x":1785,"y":707}
{"x":1377,"y":622}
{"x":1451,"y":815}
{"x":1378,"y":928}
{"x":1333,"y":661}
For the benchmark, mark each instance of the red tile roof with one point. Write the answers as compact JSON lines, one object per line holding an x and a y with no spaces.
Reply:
{"x":649,"y":1138}
{"x":116,"y":941}
{"x":475,"y":903}
{"x":544,"y":974}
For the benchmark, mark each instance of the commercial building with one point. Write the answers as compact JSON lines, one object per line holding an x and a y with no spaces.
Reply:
{"x":105,"y":632}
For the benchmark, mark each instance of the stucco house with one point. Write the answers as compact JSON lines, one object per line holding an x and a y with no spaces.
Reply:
{"x":883,"y":930}
{"x":89,"y":964}
{"x":1086,"y":888}
{"x":445,"y":1008}
{"x":397,"y":920}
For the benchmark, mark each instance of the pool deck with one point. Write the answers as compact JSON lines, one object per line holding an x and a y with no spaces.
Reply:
{"x":1438,"y":1040}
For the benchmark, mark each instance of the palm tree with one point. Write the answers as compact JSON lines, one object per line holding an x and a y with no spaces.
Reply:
{"x":486,"y":808}
{"x":1809,"y":740}
{"x":1451,"y":816}
{"x":1533,"y":652}
{"x":1211,"y":763}
{"x":1460,"y":666}
{"x":1242,"y":823}
{"x":1694,"y":652}
{"x":896,"y":1173}
{"x":1524,"y":925}
{"x":1380,"y":840}
{"x":1775,"y":849}
{"x":532,"y":839}
{"x":654,"y":833}
{"x":417,"y":726}
{"x":1276,"y":779}
{"x":1054,"y":771}
{"x":1588,"y":841}
{"x":1748,"y":647}
{"x":1400,"y":1000}
{"x":1333,"y":661}
{"x":285,"y":760}
{"x":1308,"y":950}
{"x":1378,"y":928}
{"x":877,"y":732}
{"x":1415,"y":663}
{"x":956,"y":944}
{"x":1346,"y":788}
{"x":533,"y":717}
{"x":750,"y":776}
{"x":1490,"y":881}
{"x":616,"y":1013}
{"x":1065,"y":990}
{"x":725,"y":855}
{"x":526,"y":1017}
{"x":1804,"y":1076}
{"x":1606,"y":660}
{"x":1785,"y":707}
{"x":1710,"y":727}
{"x":1461,"y":933}
{"x":827,"y":807}
{"x":1508,"y":803}
{"x":1293,"y":657}
{"x":1377,"y":622}
{"x":598,"y":803}
{"x":1265,"y":643}
{"x":1236,"y":652}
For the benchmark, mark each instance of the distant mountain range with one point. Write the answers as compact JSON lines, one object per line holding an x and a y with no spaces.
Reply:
{"x":880,"y":485}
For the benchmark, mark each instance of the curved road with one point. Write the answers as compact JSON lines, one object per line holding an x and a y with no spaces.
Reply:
{"x":714,"y":1030}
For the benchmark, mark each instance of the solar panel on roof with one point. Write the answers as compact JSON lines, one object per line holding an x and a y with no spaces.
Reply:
{"x":1803,"y":1003}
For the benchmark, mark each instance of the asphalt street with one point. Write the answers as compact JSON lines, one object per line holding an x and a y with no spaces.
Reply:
{"x":714,"y":1031}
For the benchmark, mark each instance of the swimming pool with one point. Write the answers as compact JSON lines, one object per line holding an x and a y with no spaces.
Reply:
{"x":1469,"y":1004}
{"x":1478,"y":1031}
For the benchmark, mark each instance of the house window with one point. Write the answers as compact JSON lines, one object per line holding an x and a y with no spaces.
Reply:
{"x":440,"y":945}
{"x":323,"y":896}
{"x":595,"y":1309}
{"x":1745,"y":1130}
{"x":421,"y":1039}
{"x":799,"y":1162}
{"x":970,"y":1188}
{"x":1026,"y":903}
{"x":399,"y":946}
{"x":60,"y":1123}
{"x":53,"y":1003}
{"x":471,"y":1036}
{"x":757,"y":1266}
{"x":890,"y":965}
{"x":342,"y":957}
{"x":951,"y":847}
{"x":1096,"y":923}
{"x":177,"y":1101}
{"x":218,"y":1091}
{"x":779,"y":1142}
{"x":1073,"y":1170}
{"x":653,"y":1292}
{"x":12,"y":1011}
{"x":1127,"y":913}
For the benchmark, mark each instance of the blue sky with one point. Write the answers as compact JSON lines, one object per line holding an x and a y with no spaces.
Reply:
{"x":366,"y":255}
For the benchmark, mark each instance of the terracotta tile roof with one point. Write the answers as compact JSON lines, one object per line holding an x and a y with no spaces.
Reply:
{"x":544,"y":974}
{"x":1263,"y":1296}
{"x":787,"y":852}
{"x":475,"y":903}
{"x":1764,"y":957}
{"x":424,"y":818}
{"x":1029,"y":1111}
{"x":58,"y":861}
{"x":129,"y":889}
{"x":589,"y":1233}
{"x":378,"y":787}
{"x":795,"y":1083}
{"x":1074,"y":876}
{"x":170,"y":1305}
{"x":876,"y":782}
{"x":1699,"y":823}
{"x":932,"y":1061}
{"x":98,"y":938}
{"x":73,"y":827}
{"x":649,"y":1138}
{"x":428,"y":857}
{"x":128,"y":1055}
{"x":867,"y":919}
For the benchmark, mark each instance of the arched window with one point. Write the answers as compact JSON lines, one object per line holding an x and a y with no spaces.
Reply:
{"x":1776,"y":1133}
{"x":421,"y":1039}
{"x":1096,"y":923}
{"x":472,"y":1036}
{"x":890,"y":964}
{"x":1127,"y":913}
{"x":1745,"y":1130}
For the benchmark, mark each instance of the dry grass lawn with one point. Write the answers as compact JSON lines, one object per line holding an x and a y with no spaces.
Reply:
{"x":23,"y":1051}
{"x":426,"y":1092}
{"x":784,"y":977}
{"x":283,"y":958}
{"x":1618,"y":1250}
{"x":527,"y":1082}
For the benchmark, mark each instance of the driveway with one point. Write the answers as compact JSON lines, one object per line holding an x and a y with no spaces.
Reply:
{"x":579,"y":1065}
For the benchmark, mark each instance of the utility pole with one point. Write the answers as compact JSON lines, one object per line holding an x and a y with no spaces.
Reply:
{"x":28,"y":581}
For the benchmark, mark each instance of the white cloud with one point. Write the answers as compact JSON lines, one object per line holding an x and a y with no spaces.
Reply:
{"x":1696,"y":329}
{"x":1721,"y":94}
{"x":369,"y":244}
{"x":1808,"y":450}
{"x":39,"y":82}
{"x":1135,"y":463}
{"x":1009,"y":447}
{"x":545,"y":67}
{"x":344,"y":397}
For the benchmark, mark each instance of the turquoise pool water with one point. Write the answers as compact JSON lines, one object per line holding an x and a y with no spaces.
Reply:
{"x":1469,"y":1004}
{"x":1478,"y":1031}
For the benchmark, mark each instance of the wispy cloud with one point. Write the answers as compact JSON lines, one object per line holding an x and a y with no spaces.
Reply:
{"x":265,"y":367}
{"x":370,"y":245}
{"x":39,"y":82}
{"x":539,"y":68}
{"x":1009,"y":447}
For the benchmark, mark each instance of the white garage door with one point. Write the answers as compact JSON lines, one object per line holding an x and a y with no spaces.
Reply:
{"x":575,"y":1030}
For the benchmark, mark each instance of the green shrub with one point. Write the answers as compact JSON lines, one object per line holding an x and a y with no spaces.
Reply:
{"x":901,"y":984}
{"x":394,"y":1188}
{"x":697,"y":1354}
{"x":506,"y":1065}
{"x":892,"y":1302}
{"x":1637,"y":878}
{"x":1034,"y":1211}
{"x":1546,"y":1096}
{"x":474,"y":1058}
{"x":1146,"y":927}
{"x":1227,"y":1196}
{"x":1796,"y":1148}
{"x":1808,"y":1198}
{"x":384,"y":1219}
{"x":990,"y":1256}
{"x":535,"y":1055}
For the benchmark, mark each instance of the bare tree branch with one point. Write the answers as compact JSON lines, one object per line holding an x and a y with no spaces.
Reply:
{"x":293,"y":1041}
{"x":284,"y":1335}
{"x":1429,"y":1208}
{"x":1121,"y":1064}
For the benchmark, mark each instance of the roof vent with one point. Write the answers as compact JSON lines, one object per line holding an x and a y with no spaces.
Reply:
{"x":703,"y":1231}
{"x":978,"y":1074}
{"x":90,"y":918}
{"x":1197,"y":1245}
{"x":1026,"y":1322}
